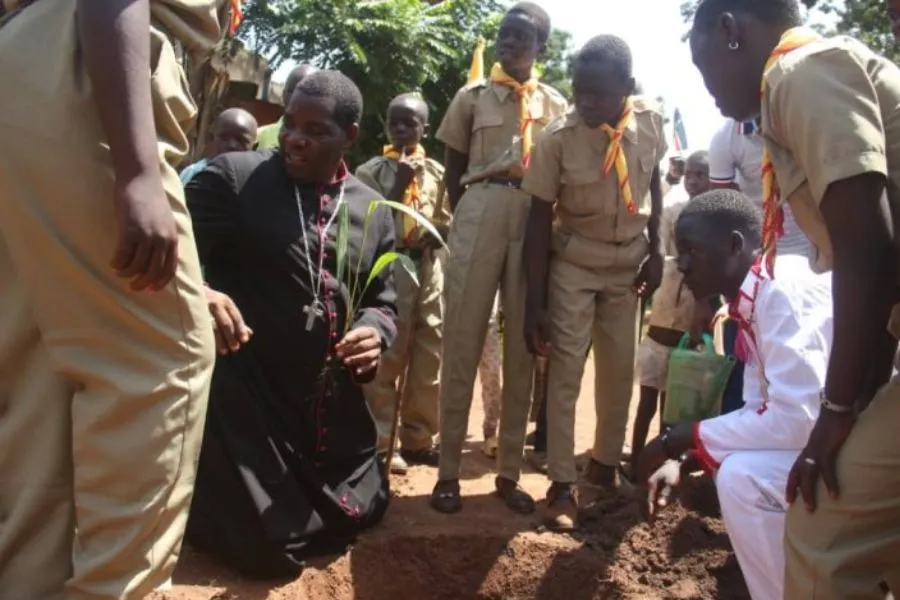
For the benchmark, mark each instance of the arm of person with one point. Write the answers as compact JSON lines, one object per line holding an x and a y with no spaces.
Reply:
{"x":794,"y":353}
{"x":211,"y":197}
{"x":656,"y":209}
{"x":116,"y":47}
{"x":542,"y":181}
{"x":456,"y":132}
{"x":845,"y":167}
{"x":722,"y":171}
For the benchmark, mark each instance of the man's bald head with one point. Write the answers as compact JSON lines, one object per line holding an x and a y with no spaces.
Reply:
{"x":234,"y":130}
{"x":297,"y":74}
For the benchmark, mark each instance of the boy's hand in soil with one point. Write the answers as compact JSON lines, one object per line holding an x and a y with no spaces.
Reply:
{"x":228,"y":323}
{"x":661,"y":485}
{"x":360,"y":350}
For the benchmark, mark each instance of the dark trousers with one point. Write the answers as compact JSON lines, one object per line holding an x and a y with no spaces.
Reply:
{"x":733,"y":398}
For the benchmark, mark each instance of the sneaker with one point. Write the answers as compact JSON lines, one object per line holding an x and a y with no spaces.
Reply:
{"x":490,"y":446}
{"x":398,"y":465}
{"x":561,"y":512}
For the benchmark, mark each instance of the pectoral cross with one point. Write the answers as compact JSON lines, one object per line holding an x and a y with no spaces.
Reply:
{"x":312,"y":312}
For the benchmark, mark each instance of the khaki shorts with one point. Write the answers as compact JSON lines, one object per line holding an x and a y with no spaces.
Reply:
{"x":653,"y":364}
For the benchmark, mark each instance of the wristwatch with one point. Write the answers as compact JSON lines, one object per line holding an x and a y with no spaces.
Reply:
{"x":664,"y":440}
{"x":841,"y":409}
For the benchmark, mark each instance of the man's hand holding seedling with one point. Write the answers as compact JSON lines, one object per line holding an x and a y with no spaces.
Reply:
{"x":360,"y":351}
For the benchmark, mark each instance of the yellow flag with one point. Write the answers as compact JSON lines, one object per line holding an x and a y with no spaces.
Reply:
{"x":476,"y":71}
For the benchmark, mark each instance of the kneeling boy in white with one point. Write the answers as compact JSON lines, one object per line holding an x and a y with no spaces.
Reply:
{"x":785,"y":339}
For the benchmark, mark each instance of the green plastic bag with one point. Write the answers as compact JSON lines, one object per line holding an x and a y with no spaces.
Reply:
{"x":696,"y":382}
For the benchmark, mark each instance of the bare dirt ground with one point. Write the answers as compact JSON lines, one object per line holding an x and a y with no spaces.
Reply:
{"x":488,"y":553}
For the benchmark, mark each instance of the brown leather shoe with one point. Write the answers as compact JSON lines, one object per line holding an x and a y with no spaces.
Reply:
{"x":561,"y":512}
{"x":601,"y":482}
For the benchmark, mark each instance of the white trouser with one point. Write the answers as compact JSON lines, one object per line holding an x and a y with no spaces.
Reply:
{"x":751,"y":488}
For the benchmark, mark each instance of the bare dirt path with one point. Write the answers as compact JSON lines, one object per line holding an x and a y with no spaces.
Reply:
{"x":488,"y":553}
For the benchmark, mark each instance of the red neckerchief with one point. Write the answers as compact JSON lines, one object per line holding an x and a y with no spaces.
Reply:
{"x":742,"y":310}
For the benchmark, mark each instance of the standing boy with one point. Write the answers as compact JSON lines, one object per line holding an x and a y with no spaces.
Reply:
{"x":404,"y":174}
{"x":488,"y":130}
{"x":832,"y":141}
{"x":598,"y":166}
{"x":672,"y":313}
{"x":103,"y":393}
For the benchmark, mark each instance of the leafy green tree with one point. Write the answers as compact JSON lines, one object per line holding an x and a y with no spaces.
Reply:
{"x":866,"y":20}
{"x":387,"y":47}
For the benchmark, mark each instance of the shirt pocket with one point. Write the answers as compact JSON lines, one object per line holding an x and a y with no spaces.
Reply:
{"x":489,"y":139}
{"x":583,"y":193}
{"x":639,"y":177}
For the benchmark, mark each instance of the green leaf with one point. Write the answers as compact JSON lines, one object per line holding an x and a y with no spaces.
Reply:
{"x":421,"y":220}
{"x":343,"y":239}
{"x":387,"y":259}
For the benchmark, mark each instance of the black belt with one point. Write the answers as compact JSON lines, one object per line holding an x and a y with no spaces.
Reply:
{"x":512,"y":182}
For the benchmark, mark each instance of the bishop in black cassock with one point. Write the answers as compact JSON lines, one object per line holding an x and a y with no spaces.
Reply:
{"x":287,"y":472}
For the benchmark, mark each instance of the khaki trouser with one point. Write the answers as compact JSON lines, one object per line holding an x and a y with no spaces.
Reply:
{"x":417,"y":351}
{"x":850,"y":544}
{"x":585,"y":303}
{"x":486,"y":241}
{"x":103,"y":390}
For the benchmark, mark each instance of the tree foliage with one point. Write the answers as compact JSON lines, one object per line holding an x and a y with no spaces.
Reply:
{"x":387,"y":47}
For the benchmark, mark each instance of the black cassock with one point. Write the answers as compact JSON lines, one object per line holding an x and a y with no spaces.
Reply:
{"x":286,"y":474}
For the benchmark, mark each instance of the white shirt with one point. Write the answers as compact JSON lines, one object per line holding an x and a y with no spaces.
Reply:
{"x":737,"y":158}
{"x":791,"y":320}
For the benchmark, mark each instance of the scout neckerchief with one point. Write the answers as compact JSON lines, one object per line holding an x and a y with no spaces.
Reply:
{"x":412,"y":197}
{"x":742,"y":310}
{"x":615,"y":155}
{"x":237,"y":16}
{"x":523,"y":92}
{"x":773,"y":213}
{"x":476,"y":70}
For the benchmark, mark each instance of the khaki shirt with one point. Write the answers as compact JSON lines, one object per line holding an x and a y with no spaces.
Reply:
{"x":567,"y":168}
{"x":379,"y":173}
{"x":830,"y":112}
{"x":483,"y":123}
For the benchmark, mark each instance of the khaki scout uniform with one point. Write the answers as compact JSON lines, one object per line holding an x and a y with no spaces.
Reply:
{"x":102,"y":390}
{"x":849,"y":544}
{"x":673,"y":306}
{"x":420,"y":315}
{"x":597,"y":250}
{"x":486,"y":242}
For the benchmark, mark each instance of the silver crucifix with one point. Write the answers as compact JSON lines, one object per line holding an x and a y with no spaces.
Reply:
{"x":312,"y":312}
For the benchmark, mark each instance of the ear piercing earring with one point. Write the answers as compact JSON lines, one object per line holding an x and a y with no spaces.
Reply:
{"x":733,"y":45}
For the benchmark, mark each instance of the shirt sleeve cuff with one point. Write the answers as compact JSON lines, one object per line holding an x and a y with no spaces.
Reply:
{"x":709,"y":464}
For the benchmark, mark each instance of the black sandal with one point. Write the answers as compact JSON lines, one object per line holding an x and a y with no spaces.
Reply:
{"x":514,"y":496}
{"x":445,"y":498}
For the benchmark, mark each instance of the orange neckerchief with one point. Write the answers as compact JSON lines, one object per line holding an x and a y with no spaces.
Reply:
{"x":773,"y":213}
{"x":615,"y":156}
{"x":412,"y":197}
{"x":523,"y":93}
